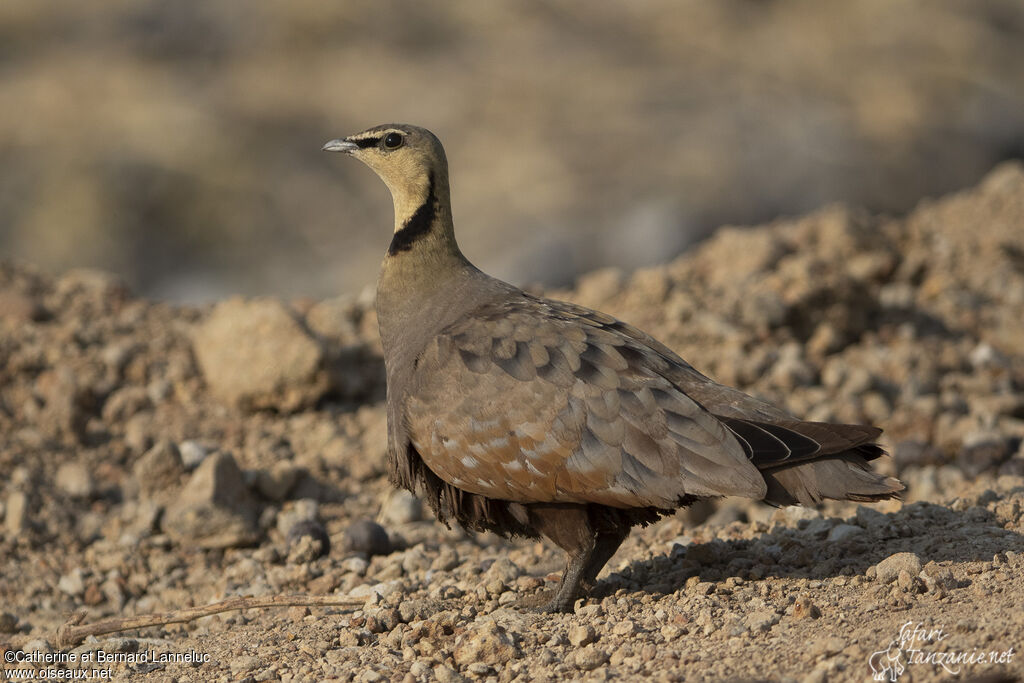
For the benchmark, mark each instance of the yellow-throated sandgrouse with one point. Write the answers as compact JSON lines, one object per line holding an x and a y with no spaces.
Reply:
{"x":526,"y":416}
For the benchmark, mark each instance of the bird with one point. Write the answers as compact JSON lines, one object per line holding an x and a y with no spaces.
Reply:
{"x":526,"y":416}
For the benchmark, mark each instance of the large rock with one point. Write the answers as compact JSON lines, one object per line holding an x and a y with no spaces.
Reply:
{"x":214,"y":510}
{"x":256,"y":355}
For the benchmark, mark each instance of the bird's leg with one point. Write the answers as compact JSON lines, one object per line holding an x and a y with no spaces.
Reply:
{"x":604,"y":548}
{"x":572,"y":583}
{"x":567,"y":526}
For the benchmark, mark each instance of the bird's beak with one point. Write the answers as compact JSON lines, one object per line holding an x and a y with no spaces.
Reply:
{"x":340,"y":145}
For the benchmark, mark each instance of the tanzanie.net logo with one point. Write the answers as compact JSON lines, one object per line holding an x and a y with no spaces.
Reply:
{"x":916,"y":645}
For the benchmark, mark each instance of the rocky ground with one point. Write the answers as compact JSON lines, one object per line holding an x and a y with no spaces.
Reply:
{"x":157,"y":457}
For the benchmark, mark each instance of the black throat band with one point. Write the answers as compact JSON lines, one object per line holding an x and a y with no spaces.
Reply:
{"x":418,"y":225}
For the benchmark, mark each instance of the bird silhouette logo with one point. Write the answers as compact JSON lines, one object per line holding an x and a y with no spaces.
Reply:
{"x":887,"y":664}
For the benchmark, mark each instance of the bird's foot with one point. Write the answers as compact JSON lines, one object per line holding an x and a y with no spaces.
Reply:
{"x":545,"y":602}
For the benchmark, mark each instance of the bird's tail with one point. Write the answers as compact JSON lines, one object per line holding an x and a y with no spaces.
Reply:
{"x":805,"y":462}
{"x":841,"y":476}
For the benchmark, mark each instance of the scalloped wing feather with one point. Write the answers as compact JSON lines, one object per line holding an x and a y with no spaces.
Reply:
{"x":537,"y":401}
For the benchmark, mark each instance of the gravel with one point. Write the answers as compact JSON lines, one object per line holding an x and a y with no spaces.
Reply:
{"x":124,"y":501}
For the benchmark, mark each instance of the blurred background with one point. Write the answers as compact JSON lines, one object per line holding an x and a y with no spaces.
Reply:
{"x":178,"y":143}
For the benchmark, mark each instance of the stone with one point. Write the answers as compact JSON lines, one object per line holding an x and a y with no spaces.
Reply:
{"x":16,"y":513}
{"x":255,"y":355}
{"x":908,"y":581}
{"x":590,"y":658}
{"x":72,"y":583}
{"x":401,"y":507}
{"x":446,"y":674}
{"x":447,"y":559}
{"x":277,"y":482}
{"x":503,"y":570}
{"x":8,"y":623}
{"x":889,"y":569}
{"x":307,"y":541}
{"x":761,"y":621}
{"x":367,"y":537}
{"x":581,"y":634}
{"x":74,"y":479}
{"x":485,"y":643}
{"x":937,"y":579}
{"x":302,"y":510}
{"x":844,"y":532}
{"x":192,"y":453}
{"x":356,"y":565}
{"x":626,"y":627}
{"x":159,"y":470}
{"x":214,"y":509}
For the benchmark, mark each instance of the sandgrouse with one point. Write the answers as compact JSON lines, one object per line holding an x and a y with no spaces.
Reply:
{"x":531,"y":417}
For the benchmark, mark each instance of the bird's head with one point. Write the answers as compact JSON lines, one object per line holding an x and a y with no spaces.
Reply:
{"x":409,"y":159}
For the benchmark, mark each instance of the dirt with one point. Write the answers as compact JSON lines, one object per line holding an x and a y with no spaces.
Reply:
{"x":157,"y":457}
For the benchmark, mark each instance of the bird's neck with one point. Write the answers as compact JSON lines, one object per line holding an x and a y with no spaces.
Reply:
{"x":423,"y":265}
{"x":423,"y":217}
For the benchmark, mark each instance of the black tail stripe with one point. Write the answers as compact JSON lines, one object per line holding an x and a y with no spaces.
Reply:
{"x":800,"y":445}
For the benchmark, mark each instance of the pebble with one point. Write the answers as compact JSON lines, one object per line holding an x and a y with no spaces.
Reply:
{"x":626,"y":627}
{"x":367,"y":537}
{"x":486,"y":643}
{"x":401,"y":507}
{"x":581,"y":634}
{"x":73,"y":583}
{"x":307,"y":540}
{"x":214,"y":509}
{"x":447,"y":559}
{"x":8,"y":623}
{"x":244,"y":663}
{"x":159,"y":470}
{"x":445,"y":674}
{"x":590,"y":658}
{"x":503,"y":570}
{"x":889,"y":569}
{"x":761,"y":621}
{"x":356,"y":565}
{"x":74,"y":479}
{"x":16,"y":513}
{"x":192,"y":453}
{"x":302,"y":510}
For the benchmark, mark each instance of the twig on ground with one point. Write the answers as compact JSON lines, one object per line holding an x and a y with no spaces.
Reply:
{"x":71,"y":633}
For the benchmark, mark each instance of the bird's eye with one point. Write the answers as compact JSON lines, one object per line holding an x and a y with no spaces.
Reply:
{"x":392,"y":141}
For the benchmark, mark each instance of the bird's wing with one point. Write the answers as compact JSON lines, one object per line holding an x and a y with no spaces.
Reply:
{"x":769,"y":436}
{"x":533,"y":400}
